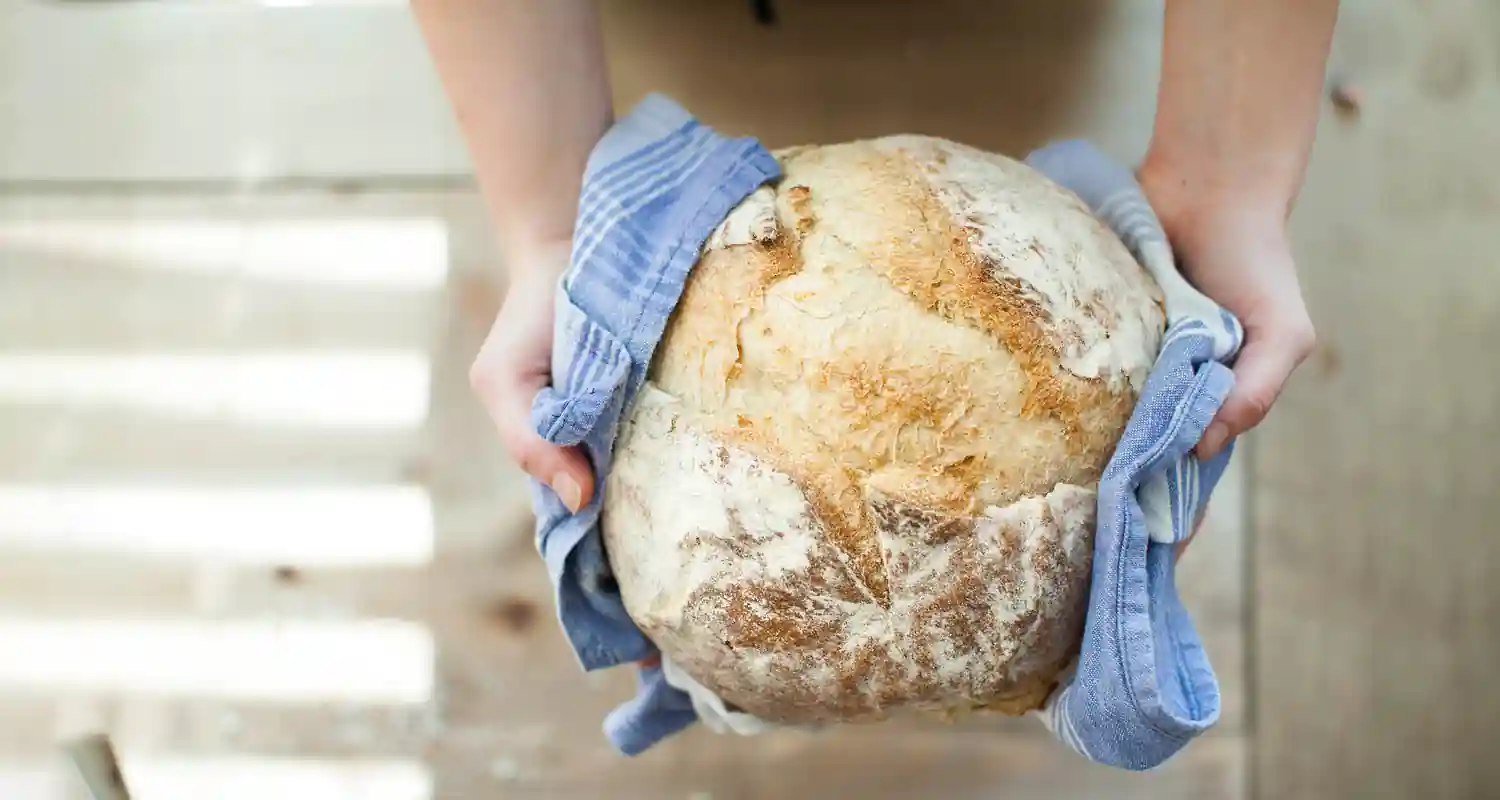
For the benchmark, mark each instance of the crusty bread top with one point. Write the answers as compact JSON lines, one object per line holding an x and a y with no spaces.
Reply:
{"x":861,"y":476}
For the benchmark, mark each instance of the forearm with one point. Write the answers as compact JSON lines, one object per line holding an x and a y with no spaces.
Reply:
{"x":528,"y":84}
{"x":1237,"y":106}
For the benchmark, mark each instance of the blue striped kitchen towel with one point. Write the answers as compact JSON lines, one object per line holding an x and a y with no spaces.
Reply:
{"x":1143,"y":687}
{"x":655,"y":187}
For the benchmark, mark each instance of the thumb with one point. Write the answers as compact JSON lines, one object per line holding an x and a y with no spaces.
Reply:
{"x":565,"y":470}
{"x":1260,"y":373}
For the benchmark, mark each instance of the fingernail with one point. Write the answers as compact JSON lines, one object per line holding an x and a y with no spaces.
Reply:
{"x":567,"y":490}
{"x":1213,"y":440}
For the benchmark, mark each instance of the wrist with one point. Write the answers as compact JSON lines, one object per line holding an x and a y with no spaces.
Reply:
{"x":536,"y":259}
{"x":1191,"y":201}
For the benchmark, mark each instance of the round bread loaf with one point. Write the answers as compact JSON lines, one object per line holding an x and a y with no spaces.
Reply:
{"x":861,"y":475}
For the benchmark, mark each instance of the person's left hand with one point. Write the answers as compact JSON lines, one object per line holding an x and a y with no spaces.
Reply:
{"x":1237,"y":252}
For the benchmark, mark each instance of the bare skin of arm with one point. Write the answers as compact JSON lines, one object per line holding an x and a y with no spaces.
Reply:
{"x":528,"y":84}
{"x":1237,"y":112}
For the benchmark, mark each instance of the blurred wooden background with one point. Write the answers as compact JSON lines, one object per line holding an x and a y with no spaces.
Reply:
{"x":1347,"y":584}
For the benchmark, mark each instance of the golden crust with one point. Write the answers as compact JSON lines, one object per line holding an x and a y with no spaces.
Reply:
{"x":915,"y":391}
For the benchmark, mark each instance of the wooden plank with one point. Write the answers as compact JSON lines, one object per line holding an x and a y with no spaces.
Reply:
{"x":170,"y":273}
{"x":55,"y":444}
{"x":75,"y":307}
{"x":230,"y":93}
{"x":1376,"y":557}
{"x":883,"y":766}
{"x":1005,"y":76}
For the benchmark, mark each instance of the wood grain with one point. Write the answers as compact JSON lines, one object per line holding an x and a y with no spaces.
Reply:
{"x":1377,"y":551}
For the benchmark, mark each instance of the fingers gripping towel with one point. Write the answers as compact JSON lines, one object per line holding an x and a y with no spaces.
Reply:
{"x":655,"y":188}
{"x":1143,"y":686}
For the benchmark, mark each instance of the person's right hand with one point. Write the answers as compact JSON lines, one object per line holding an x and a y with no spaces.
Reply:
{"x":514,"y":364}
